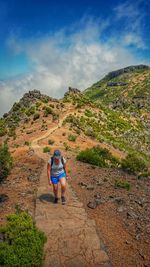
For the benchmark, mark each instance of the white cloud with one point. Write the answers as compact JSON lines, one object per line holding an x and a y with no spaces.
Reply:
{"x":70,"y":57}
{"x":131,"y":15}
{"x":133,"y":39}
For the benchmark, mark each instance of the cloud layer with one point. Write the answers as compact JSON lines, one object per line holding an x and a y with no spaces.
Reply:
{"x":77,"y":57}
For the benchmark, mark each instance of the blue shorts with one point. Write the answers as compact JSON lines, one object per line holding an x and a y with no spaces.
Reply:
{"x":55,"y":179}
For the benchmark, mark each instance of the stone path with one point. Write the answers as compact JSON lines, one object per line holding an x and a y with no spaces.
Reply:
{"x":72,"y":240}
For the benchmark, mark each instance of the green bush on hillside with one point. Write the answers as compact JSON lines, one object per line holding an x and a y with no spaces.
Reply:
{"x":46,"y":149}
{"x":72,"y":138}
{"x":133,"y":164}
{"x":47,"y":111}
{"x":30,"y":111}
{"x":5,"y":162}
{"x":26,"y":143}
{"x":55,"y":116}
{"x":88,"y":113}
{"x":23,"y":242}
{"x":90,"y":132}
{"x":51,"y":142}
{"x":36,"y":116}
{"x":122,"y":184}
{"x":66,"y":146}
{"x":51,"y":105}
{"x":11,"y":132}
{"x":38,"y":104}
{"x":90,"y":156}
{"x":3,"y":129}
{"x":144,"y":175}
{"x":98,"y":156}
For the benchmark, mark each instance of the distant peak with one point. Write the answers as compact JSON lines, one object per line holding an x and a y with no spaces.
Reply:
{"x":128,"y":69}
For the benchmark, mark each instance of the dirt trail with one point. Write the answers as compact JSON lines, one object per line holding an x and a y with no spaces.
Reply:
{"x":72,"y":239}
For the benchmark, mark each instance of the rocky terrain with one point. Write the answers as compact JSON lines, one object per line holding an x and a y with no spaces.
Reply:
{"x":113,"y":117}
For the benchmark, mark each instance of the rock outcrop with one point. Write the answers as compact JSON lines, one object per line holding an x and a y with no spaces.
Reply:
{"x":72,"y":91}
{"x":116,"y":73}
{"x":117,"y":84}
{"x":32,"y":96}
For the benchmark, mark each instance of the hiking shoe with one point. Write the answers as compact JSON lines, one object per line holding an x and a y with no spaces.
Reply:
{"x":63,"y":200}
{"x":56,"y":200}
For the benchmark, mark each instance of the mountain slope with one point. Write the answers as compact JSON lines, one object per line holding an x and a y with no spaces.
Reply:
{"x":126,"y":131}
{"x":126,"y":89}
{"x":72,"y":124}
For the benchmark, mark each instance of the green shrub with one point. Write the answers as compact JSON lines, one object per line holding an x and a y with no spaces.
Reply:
{"x":98,"y":156}
{"x":55,"y":116}
{"x":90,"y":156}
{"x":122,"y":184}
{"x":144,"y":175}
{"x":72,"y":138}
{"x":79,"y":105}
{"x":3,"y":129}
{"x":106,"y":154}
{"x":51,"y":105}
{"x":88,"y":113}
{"x":67,"y":147}
{"x":38,"y":104}
{"x":46,"y":149}
{"x":16,"y":145}
{"x":45,"y":100}
{"x":51,"y":142}
{"x":36,"y":116}
{"x":133,"y":164}
{"x":5,"y":115}
{"x":90,"y":132}
{"x":5,"y":162}
{"x":26,"y":143}
{"x":47,"y":111}
{"x":78,"y":131}
{"x":11,"y":132}
{"x":30,"y":111}
{"x":23,"y":242}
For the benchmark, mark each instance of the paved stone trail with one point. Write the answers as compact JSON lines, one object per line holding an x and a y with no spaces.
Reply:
{"x":72,"y":240}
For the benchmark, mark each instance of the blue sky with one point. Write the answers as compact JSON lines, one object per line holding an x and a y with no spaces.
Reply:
{"x":50,"y":45}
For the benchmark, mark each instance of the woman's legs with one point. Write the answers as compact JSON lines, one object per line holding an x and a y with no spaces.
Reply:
{"x":63,"y":185}
{"x":55,"y":190}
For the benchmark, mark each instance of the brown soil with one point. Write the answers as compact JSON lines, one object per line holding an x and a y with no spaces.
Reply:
{"x":127,"y":238}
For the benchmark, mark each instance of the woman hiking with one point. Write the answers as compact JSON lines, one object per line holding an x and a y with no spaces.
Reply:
{"x":57,"y":172}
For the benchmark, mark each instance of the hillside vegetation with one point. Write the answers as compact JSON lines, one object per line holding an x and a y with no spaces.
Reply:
{"x":114,"y":110}
{"x":104,"y":134}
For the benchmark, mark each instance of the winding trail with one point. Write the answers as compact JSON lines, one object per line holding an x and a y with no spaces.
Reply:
{"x":72,"y":239}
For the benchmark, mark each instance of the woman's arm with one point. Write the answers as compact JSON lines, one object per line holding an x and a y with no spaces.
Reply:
{"x":65,"y":168}
{"x":49,"y":173}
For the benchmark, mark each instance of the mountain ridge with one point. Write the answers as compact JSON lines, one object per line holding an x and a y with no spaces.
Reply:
{"x":120,"y":118}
